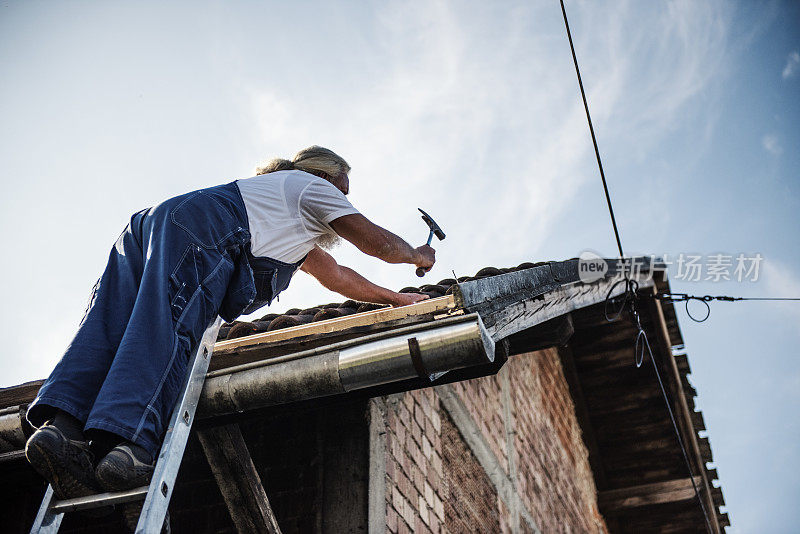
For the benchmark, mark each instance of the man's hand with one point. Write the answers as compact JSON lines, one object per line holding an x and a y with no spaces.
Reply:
{"x":426,"y":257}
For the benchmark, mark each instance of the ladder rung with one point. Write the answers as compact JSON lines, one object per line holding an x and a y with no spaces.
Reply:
{"x":98,"y":500}
{"x":13,"y":455}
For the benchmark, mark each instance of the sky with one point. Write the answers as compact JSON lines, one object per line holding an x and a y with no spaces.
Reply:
{"x":469,"y":110}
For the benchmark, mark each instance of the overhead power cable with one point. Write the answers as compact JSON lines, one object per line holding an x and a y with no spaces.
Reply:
{"x":684,"y":297}
{"x":591,"y":130}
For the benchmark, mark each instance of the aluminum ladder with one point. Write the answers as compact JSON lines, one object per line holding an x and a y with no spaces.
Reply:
{"x":156,"y":496}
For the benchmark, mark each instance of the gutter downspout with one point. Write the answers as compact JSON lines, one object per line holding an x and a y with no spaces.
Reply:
{"x":12,"y":433}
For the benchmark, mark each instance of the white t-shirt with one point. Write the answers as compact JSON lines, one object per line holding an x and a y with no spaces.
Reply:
{"x":288,"y":211}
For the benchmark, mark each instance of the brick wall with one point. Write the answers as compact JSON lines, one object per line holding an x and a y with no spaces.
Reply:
{"x":555,"y":480}
{"x":524,"y":467}
{"x":471,"y":503}
{"x":414,"y":465}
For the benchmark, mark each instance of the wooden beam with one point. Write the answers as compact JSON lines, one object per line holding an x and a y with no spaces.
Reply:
{"x":663,"y":348}
{"x":345,"y":468}
{"x":21,"y":394}
{"x":238,"y":480}
{"x":443,"y":304}
{"x":553,"y":333}
{"x":671,"y":491}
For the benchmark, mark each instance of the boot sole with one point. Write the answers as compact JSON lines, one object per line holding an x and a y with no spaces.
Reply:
{"x":66,"y":485}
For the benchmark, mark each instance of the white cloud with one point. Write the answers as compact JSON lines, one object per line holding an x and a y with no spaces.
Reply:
{"x":792,"y":64}
{"x":772,"y":144}
{"x":480,"y":106}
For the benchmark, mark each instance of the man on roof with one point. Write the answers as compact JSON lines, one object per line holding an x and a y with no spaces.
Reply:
{"x":225,"y":250}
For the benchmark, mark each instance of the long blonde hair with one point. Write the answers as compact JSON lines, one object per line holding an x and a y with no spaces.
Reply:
{"x":314,"y":159}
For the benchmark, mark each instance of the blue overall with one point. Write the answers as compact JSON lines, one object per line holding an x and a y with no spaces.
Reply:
{"x":175,"y":267}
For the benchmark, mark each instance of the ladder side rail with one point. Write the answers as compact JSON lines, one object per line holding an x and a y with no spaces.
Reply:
{"x":47,"y":521}
{"x":177,"y":435}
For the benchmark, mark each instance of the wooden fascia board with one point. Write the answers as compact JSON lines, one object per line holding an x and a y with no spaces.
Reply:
{"x":671,"y":491}
{"x":683,"y":415}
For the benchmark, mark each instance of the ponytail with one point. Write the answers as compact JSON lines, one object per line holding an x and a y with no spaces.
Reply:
{"x":274,"y":165}
{"x":313,"y":160}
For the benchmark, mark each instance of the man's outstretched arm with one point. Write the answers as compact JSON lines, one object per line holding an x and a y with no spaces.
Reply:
{"x":349,"y":283}
{"x":379,"y":242}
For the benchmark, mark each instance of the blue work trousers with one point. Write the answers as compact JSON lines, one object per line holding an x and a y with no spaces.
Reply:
{"x":173,"y":269}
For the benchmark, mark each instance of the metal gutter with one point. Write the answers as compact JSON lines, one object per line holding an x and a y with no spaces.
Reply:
{"x":12,"y":435}
{"x":426,"y":350}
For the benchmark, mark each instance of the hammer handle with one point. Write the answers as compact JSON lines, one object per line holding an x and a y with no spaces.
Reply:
{"x":420,"y":270}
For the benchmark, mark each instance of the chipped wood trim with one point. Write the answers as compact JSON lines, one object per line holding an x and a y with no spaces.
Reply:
{"x":528,"y":312}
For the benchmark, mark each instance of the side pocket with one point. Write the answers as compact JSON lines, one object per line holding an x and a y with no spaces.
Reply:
{"x":184,"y":281}
{"x":266,"y":283}
{"x":241,"y":290}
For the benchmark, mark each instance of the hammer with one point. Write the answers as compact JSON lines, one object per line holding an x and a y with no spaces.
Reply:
{"x":435,"y":230}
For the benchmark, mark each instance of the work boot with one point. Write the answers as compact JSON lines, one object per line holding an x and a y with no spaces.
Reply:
{"x":128,"y":466}
{"x":67,"y":464}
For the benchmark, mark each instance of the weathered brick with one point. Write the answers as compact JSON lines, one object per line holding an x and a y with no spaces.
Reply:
{"x":420,"y":527}
{"x":397,"y":500}
{"x":427,"y":448}
{"x":419,"y":416}
{"x":436,"y":421}
{"x":405,"y":487}
{"x":417,"y":478}
{"x":391,"y":519}
{"x":428,"y":493}
{"x":423,"y":510}
{"x":409,"y":513}
{"x":437,"y":464}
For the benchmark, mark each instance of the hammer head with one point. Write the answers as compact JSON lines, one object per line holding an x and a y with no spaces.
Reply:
{"x":435,"y":229}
